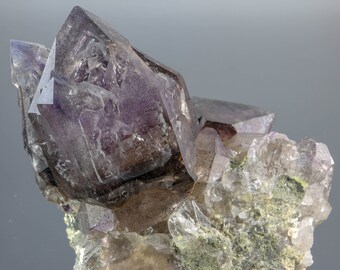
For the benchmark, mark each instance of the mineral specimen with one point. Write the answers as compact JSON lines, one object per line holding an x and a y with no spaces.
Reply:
{"x":150,"y":179}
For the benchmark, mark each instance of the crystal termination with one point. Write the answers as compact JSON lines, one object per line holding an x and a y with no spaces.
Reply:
{"x":149,"y":178}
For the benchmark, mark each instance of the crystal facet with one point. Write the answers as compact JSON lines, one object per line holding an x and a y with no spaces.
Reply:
{"x":150,"y":179}
{"x":242,"y":118}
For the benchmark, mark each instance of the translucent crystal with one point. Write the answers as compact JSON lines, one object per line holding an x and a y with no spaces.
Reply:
{"x":260,"y":212}
{"x":200,"y":244}
{"x":242,"y":118}
{"x":104,"y":112}
{"x":261,"y":202}
{"x":149,"y":179}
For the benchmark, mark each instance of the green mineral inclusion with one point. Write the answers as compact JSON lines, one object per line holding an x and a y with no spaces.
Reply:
{"x":209,"y":250}
{"x":271,"y":216}
{"x":236,"y":163}
{"x":255,"y":243}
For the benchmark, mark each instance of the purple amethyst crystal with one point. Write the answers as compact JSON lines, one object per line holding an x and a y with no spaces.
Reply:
{"x":149,"y":178}
{"x":101,"y":118}
{"x":237,"y":117}
{"x":103,"y":113}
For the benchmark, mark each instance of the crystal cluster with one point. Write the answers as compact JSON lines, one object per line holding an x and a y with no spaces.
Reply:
{"x":149,"y":178}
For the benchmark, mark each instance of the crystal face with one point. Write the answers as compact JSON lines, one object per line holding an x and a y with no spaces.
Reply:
{"x":149,"y":178}
{"x":124,"y":114}
{"x":242,"y":118}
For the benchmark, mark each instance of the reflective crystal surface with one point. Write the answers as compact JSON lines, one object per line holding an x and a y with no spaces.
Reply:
{"x":242,"y":118}
{"x":103,"y":112}
{"x":150,"y":179}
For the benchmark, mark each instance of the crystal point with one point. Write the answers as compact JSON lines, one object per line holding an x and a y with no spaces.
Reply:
{"x":125,"y":114}
{"x":150,"y":179}
{"x":243,"y":118}
{"x":27,"y":64}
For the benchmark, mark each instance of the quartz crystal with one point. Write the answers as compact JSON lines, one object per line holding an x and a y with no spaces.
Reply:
{"x":149,"y":178}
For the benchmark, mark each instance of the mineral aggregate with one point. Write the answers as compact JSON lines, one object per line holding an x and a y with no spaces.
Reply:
{"x":149,"y":178}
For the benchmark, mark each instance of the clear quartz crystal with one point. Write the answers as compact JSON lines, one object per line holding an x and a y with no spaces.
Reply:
{"x":150,"y":179}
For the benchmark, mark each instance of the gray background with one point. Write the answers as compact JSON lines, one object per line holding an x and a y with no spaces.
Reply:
{"x":282,"y":55}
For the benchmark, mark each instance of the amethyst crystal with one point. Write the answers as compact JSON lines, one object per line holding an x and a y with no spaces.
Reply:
{"x":103,"y":113}
{"x":238,"y":117}
{"x":146,"y":176}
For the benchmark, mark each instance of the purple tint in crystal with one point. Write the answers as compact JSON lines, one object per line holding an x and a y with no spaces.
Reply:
{"x":27,"y":65}
{"x":99,"y":142}
{"x":99,"y":114}
{"x":101,"y":56}
{"x":117,"y":143}
{"x":242,"y":118}
{"x":104,"y":113}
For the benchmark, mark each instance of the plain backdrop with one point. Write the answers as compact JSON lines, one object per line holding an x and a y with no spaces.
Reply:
{"x":281,"y":55}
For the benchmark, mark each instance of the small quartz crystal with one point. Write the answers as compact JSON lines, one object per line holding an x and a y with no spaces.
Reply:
{"x":149,"y":178}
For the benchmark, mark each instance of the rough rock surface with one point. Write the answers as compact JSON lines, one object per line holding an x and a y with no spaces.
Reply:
{"x":150,"y":179}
